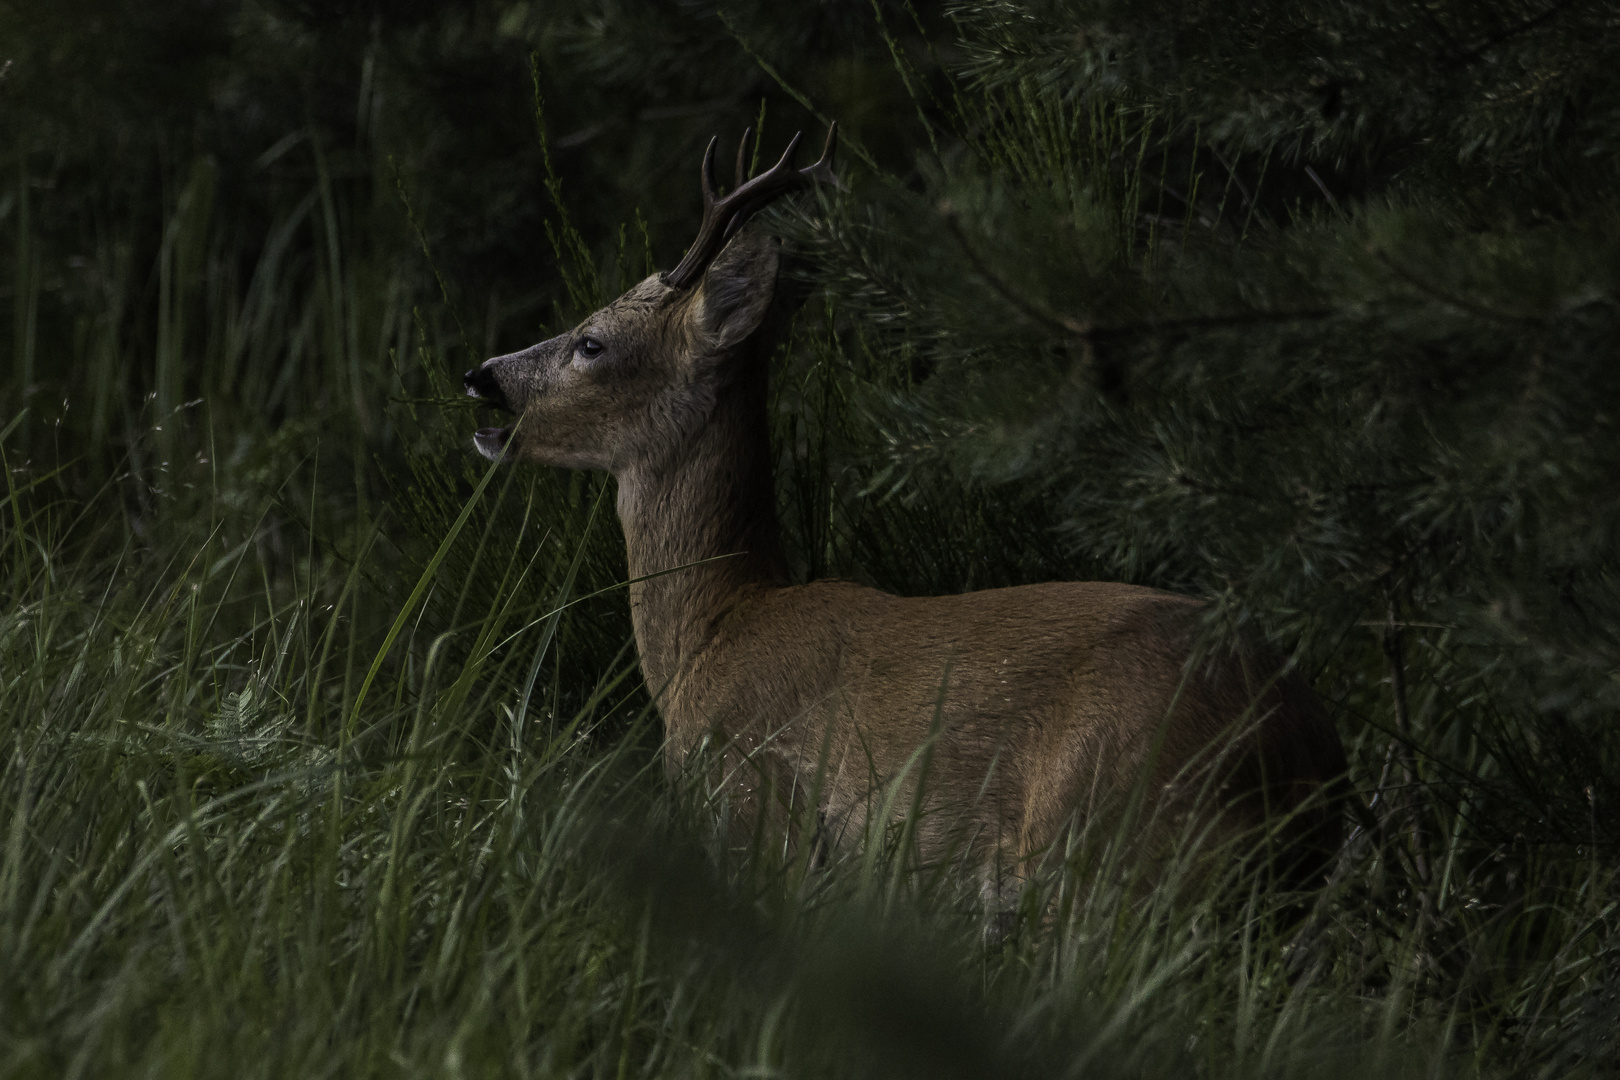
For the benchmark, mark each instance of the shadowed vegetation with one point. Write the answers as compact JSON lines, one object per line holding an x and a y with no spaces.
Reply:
{"x":324,"y":751}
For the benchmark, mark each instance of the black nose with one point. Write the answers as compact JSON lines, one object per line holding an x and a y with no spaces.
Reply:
{"x":480,"y":383}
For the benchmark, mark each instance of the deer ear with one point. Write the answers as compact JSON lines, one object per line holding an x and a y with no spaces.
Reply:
{"x":737,"y":289}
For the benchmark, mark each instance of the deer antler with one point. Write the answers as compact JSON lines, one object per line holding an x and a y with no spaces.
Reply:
{"x":724,"y":216}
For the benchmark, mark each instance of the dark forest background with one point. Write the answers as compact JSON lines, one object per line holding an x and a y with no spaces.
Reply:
{"x":324,"y":748}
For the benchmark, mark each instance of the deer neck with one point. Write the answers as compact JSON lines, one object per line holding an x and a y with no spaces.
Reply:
{"x":704,"y":522}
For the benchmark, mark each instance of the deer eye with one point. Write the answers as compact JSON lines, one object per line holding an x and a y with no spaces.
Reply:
{"x":588,"y":348}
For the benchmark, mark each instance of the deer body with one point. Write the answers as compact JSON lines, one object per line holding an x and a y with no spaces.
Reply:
{"x":1015,"y":709}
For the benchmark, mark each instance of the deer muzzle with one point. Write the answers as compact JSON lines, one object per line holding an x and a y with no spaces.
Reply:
{"x":480,"y":383}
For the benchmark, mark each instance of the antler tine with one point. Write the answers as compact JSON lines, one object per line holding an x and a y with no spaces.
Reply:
{"x":823,"y":168}
{"x":742,"y":158}
{"x":706,"y":177}
{"x":764,"y":188}
{"x":724,"y":216}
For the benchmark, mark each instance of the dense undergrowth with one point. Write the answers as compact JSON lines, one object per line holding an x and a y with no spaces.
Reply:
{"x":324,"y":750}
{"x":230,"y":850}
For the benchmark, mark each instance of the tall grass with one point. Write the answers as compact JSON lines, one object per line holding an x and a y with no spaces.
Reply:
{"x":218,"y":860}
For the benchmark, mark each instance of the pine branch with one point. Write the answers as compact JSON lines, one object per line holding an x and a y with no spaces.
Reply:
{"x":1075,"y":330}
{"x":1509,"y":34}
{"x":1451,"y":299}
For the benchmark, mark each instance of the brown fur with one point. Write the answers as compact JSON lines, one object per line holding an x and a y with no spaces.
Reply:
{"x":1043,"y":703}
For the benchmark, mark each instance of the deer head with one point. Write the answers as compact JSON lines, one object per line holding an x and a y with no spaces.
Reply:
{"x":638,"y":378}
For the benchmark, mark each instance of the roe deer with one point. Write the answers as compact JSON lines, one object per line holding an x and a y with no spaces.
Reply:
{"x":1044,"y":703}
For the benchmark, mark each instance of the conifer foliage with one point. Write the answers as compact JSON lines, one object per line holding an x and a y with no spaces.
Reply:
{"x":1307,"y":308}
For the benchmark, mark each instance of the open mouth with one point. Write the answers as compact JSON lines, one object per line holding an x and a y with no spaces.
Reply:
{"x":480,"y":383}
{"x":491,"y":441}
